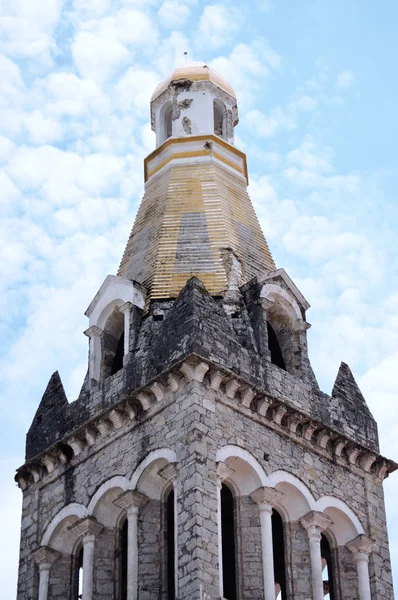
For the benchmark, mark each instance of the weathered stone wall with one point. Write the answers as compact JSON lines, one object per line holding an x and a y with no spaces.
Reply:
{"x":195,"y":422}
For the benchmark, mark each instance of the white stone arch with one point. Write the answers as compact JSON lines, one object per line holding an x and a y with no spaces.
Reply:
{"x":248,"y":474}
{"x":346,"y":525}
{"x":56,"y":535}
{"x":297,"y":501}
{"x":276,"y":294}
{"x":146,"y":478}
{"x":101,"y":504}
{"x":108,"y":311}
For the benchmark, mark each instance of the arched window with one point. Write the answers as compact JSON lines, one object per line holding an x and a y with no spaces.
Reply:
{"x":327,"y":564}
{"x":113,"y":344}
{"x":123,"y":560}
{"x":279,"y":556}
{"x":274,"y":348}
{"x":166,"y":122}
{"x":117,"y":362}
{"x":219,"y":118}
{"x":78,"y":574}
{"x":228,"y":544}
{"x":170,"y":546}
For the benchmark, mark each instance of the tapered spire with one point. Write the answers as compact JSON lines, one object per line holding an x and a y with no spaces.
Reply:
{"x":196,"y":217}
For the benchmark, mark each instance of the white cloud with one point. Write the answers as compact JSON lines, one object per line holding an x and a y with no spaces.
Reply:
{"x":217,"y":24}
{"x":246,"y":67}
{"x":173,"y":13}
{"x":345,"y":79}
{"x":42,"y":130}
{"x":311,"y":157}
{"x":279,"y":118}
{"x":98,"y":57}
{"x":133,"y":91}
{"x":27,"y":28}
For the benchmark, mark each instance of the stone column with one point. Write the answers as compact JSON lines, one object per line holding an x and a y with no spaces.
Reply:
{"x":131,"y":501}
{"x":316,"y":522}
{"x":223,"y":473}
{"x":361,"y":547}
{"x":126,"y":310}
{"x":87,"y":529}
{"x":44,"y":557}
{"x":266,"y":498}
{"x":94,"y":333}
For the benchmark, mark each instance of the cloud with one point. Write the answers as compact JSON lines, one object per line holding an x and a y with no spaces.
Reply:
{"x":217,"y":24}
{"x":98,"y":57}
{"x":345,"y":79}
{"x":311,"y":157}
{"x":247,"y":67}
{"x":27,"y":28}
{"x":173,"y":13}
{"x":279,"y":118}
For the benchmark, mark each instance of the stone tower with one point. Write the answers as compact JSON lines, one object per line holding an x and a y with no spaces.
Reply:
{"x":201,"y":461}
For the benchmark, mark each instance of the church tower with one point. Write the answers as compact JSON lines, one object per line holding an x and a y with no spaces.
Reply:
{"x":201,"y":461}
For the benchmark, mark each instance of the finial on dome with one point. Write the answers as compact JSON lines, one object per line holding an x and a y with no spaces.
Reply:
{"x":185,"y":54}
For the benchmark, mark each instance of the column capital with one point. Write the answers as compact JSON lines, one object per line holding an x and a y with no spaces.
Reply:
{"x":223,"y":471}
{"x":169,"y":472}
{"x":130,"y":499}
{"x":86,"y":527}
{"x":315,"y":519}
{"x":267,"y":496}
{"x":93,"y":331}
{"x":361,"y":545}
{"x":126,"y":307}
{"x":44,"y":556}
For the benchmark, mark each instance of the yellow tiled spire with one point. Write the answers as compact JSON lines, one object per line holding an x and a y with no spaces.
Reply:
{"x":196,"y":217}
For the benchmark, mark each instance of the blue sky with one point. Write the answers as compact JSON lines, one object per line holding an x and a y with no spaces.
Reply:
{"x":317,"y":98}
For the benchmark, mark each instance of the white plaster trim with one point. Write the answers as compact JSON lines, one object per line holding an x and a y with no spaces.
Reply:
{"x":340,"y":531}
{"x":284,"y":477}
{"x":289,"y":282}
{"x":231,"y":451}
{"x":71,"y":510}
{"x":115,"y":482}
{"x":320,"y":505}
{"x":165,"y":453}
{"x":113,"y":289}
{"x":207,"y":158}
{"x":273,"y":292}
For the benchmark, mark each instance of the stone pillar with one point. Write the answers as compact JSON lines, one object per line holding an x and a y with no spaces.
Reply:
{"x":361,"y":547}
{"x":44,"y":557}
{"x":131,"y":501}
{"x":266,"y":498}
{"x":316,"y":522}
{"x":169,"y":472}
{"x":94,"y":333}
{"x":126,"y":310}
{"x":223,"y":473}
{"x":87,"y":529}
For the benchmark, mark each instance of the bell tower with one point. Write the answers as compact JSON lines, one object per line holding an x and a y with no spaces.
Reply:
{"x":201,"y":460}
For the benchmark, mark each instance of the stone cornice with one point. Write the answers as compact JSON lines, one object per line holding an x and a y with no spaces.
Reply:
{"x":267,"y":495}
{"x":316,"y":519}
{"x":45,"y":555}
{"x":84,"y":527}
{"x":130,"y":499}
{"x":231,"y":390}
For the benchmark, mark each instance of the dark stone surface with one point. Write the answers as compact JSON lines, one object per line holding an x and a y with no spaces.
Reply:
{"x":233,"y":340}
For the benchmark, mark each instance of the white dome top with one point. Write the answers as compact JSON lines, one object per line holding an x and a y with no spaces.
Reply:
{"x":194,"y":71}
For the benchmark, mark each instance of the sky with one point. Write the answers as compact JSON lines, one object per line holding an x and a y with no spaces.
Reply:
{"x":316,"y":88}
